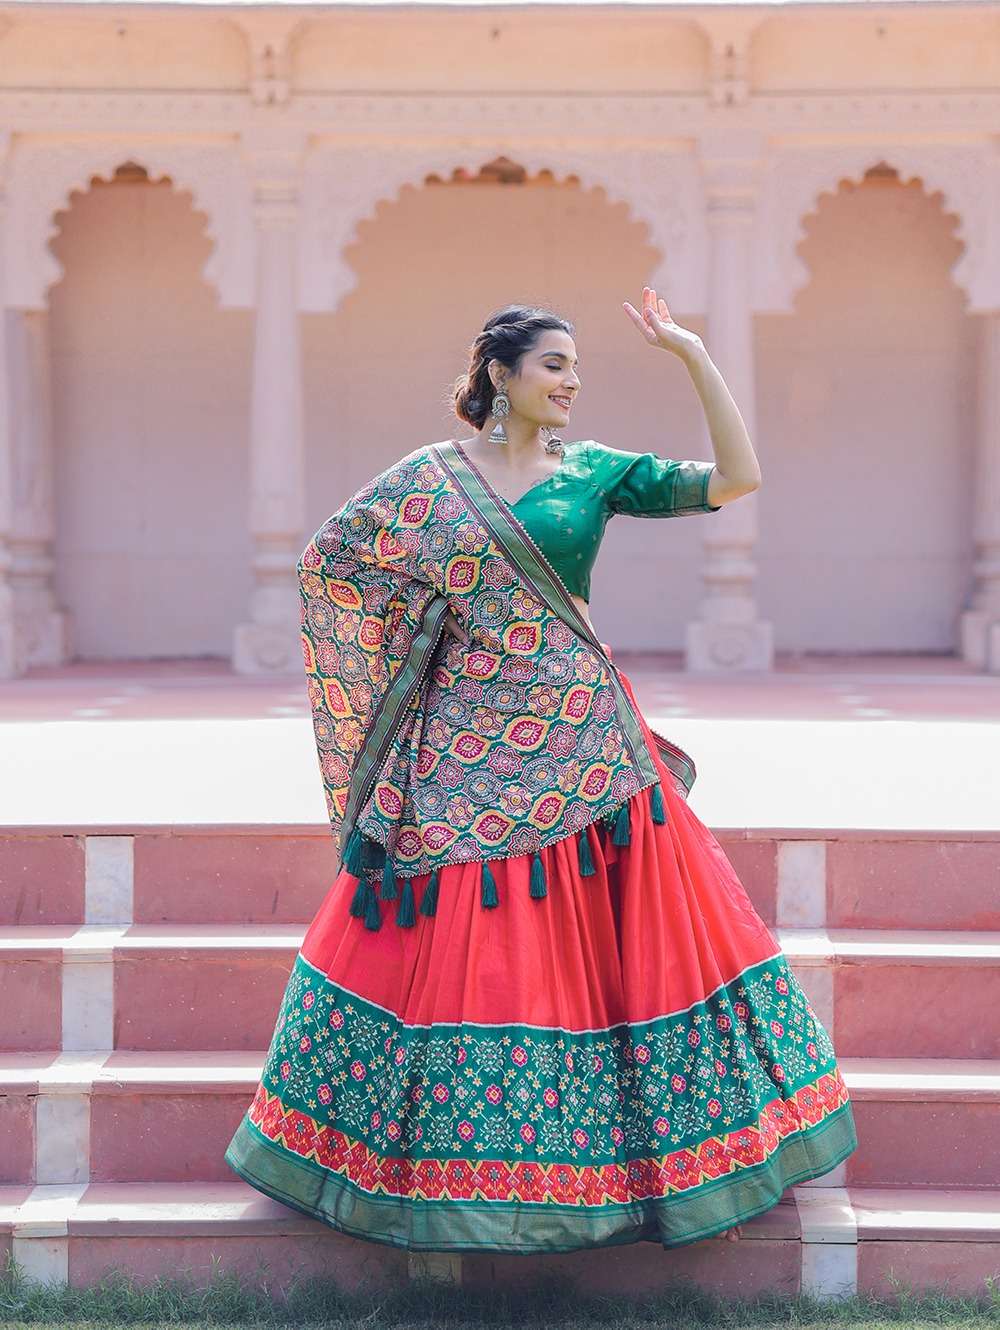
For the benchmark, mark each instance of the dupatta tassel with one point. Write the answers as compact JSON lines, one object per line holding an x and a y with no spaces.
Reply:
{"x":372,"y":854}
{"x":623,"y":827}
{"x":584,"y":858}
{"x":390,"y":889}
{"x":352,"y":853}
{"x":429,"y":900}
{"x":538,"y":888}
{"x":488,"y":894}
{"x":656,"y":803}
{"x":404,"y":915}
{"x":373,"y":915}
{"x":360,"y":899}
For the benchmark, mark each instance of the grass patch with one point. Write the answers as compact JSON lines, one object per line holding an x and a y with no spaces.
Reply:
{"x":426,"y":1304}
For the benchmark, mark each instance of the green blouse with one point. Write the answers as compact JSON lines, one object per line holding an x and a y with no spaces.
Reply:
{"x":566,"y":513}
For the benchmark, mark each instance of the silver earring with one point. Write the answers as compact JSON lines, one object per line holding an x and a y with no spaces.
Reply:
{"x":501,"y":409}
{"x":553,"y":444}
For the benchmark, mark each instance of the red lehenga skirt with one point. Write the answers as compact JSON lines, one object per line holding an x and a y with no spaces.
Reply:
{"x":625,"y":1057}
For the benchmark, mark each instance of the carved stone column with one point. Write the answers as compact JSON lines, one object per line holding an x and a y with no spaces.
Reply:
{"x":730,"y":635}
{"x":980,"y":623}
{"x":11,"y":657}
{"x":270,"y":640}
{"x":43,"y":629}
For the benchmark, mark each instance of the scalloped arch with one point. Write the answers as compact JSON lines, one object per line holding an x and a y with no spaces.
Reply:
{"x":965,"y":175}
{"x":343,"y":185}
{"x":43,"y":178}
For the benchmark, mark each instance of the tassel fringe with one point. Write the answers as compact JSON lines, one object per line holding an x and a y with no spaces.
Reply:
{"x":623,"y":827}
{"x":428,"y":903}
{"x":538,"y":887}
{"x":365,"y":902}
{"x":352,"y":853}
{"x":488,"y":892}
{"x":656,"y":804}
{"x":373,"y":914}
{"x":404,"y":915}
{"x":390,"y":889}
{"x":584,"y":858}
{"x":360,"y":899}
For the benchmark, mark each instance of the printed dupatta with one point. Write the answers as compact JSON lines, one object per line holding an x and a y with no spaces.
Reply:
{"x":433,"y":751}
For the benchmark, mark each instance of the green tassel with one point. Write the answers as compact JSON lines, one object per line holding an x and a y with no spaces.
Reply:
{"x":428,"y":904}
{"x":584,"y":858}
{"x":623,"y":828}
{"x":389,"y":888}
{"x":404,"y":915}
{"x":538,"y":887}
{"x":656,"y":803}
{"x":488,"y":896}
{"x":352,"y":853}
{"x":372,"y":854}
{"x":360,"y":899}
{"x":373,"y":914}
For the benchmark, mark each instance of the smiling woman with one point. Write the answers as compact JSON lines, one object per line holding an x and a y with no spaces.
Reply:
{"x":536,"y":1011}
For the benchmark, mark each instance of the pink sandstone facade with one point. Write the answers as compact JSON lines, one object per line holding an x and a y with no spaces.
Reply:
{"x":244,"y":248}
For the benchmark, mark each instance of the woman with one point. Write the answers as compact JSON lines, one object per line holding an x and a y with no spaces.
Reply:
{"x":536,"y":1010}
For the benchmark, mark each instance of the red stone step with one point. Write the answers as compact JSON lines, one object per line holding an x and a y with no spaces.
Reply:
{"x":168,"y":1117}
{"x":243,"y":874}
{"x":829,"y":1242}
{"x":880,"y":994}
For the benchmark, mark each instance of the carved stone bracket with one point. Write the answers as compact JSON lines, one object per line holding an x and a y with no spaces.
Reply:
{"x":730,"y":35}
{"x":268,"y":34}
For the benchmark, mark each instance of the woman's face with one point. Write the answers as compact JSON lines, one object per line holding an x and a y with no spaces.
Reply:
{"x":547,"y":371}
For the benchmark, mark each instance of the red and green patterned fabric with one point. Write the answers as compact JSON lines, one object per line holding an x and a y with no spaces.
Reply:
{"x":434,"y":752}
{"x":581,"y":1035}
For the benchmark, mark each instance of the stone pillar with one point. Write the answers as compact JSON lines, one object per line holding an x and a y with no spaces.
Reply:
{"x":12,"y":660}
{"x":269,"y":641}
{"x":730,"y":635}
{"x":43,"y":629}
{"x":979,"y":624}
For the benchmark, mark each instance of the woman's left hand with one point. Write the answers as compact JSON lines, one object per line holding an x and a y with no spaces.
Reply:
{"x":658,"y":327}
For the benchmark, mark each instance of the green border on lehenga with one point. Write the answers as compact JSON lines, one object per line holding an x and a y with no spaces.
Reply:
{"x":747,"y":1077}
{"x":453,"y":1225}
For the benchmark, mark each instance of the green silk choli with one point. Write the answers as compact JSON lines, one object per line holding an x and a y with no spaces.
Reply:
{"x":566,"y":513}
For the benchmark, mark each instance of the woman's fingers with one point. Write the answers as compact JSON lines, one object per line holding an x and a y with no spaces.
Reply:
{"x":643,"y":323}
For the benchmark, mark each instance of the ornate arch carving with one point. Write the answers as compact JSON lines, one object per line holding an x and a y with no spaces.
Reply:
{"x":967,"y":174}
{"x":342,"y":185}
{"x":43,"y":174}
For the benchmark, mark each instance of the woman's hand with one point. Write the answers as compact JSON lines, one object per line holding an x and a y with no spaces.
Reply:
{"x":659,"y":329}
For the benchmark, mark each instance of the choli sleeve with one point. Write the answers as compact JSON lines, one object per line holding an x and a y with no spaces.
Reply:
{"x":646,"y":485}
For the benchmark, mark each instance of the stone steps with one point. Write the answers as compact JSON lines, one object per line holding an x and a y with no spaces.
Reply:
{"x":142,"y":969}
{"x":167,"y":1117}
{"x":147,"y":986}
{"x":841,"y":1239}
{"x":236,"y":874}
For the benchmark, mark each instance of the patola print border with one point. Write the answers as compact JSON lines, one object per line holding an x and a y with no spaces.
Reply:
{"x":797,"y":1122}
{"x":515,"y":543}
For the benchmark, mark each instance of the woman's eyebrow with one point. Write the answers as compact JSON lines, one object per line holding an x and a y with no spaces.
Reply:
{"x":559,"y":355}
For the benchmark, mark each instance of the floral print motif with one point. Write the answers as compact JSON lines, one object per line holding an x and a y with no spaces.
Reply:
{"x":549,"y":1114}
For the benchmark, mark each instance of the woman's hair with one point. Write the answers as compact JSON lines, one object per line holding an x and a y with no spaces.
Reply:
{"x":507,"y":334}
